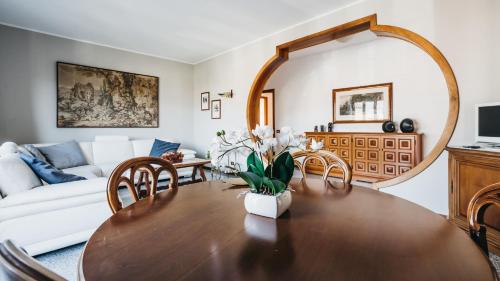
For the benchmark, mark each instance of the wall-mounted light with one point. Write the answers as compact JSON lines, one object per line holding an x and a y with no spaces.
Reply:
{"x":226,"y":94}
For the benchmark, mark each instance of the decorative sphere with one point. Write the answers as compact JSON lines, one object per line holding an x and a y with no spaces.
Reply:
{"x":407,"y":126}
{"x":388,"y":127}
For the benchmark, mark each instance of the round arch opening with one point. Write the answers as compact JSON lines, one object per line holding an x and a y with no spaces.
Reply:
{"x":368,"y":23}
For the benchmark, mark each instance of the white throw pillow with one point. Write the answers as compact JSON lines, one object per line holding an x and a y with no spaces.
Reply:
{"x":16,"y":176}
{"x":112,"y":151}
{"x":7,"y":148}
{"x":142,"y":147}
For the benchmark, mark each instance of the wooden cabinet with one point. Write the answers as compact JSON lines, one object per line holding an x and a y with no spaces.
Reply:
{"x":469,"y":171}
{"x":372,"y":156}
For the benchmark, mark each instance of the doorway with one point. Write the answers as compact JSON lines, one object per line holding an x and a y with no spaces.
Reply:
{"x":266,"y":109}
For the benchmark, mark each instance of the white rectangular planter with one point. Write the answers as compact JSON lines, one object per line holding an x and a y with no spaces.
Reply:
{"x":268,"y":205}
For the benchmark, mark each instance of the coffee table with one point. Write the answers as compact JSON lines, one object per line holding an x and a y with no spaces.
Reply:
{"x":197,"y":165}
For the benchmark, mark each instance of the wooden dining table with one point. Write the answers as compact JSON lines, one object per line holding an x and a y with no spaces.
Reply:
{"x":332,"y":231}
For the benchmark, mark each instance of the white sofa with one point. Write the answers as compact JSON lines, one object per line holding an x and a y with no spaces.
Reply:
{"x":51,"y":217}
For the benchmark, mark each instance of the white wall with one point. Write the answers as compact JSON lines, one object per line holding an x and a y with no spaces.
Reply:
{"x":465,"y":31}
{"x":303,"y":86}
{"x":28,"y":88}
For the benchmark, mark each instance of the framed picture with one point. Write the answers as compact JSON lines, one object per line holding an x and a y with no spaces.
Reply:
{"x":364,"y":104}
{"x":216,"y":109}
{"x":205,"y":101}
{"x":92,"y":97}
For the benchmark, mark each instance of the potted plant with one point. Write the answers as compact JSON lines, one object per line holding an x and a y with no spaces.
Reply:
{"x":269,"y":166}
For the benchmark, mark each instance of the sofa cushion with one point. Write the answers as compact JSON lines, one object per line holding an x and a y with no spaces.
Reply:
{"x":64,"y":155}
{"x":87,"y":151}
{"x":87,"y":171}
{"x":55,"y":192}
{"x":142,"y":147}
{"x":160,"y":147}
{"x":8,"y":148}
{"x":35,"y":152}
{"x":107,"y":168}
{"x":112,"y":151}
{"x":16,"y":176}
{"x":47,"y":172}
{"x":111,"y":138}
{"x":34,"y":208}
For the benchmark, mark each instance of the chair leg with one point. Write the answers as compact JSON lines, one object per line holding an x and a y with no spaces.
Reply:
{"x":480,"y":239}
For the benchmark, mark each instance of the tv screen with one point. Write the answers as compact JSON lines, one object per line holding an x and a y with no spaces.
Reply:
{"x":489,"y":121}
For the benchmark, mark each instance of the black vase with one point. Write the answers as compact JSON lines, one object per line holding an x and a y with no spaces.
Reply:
{"x":407,"y":126}
{"x":330,"y":127}
{"x":388,"y":127}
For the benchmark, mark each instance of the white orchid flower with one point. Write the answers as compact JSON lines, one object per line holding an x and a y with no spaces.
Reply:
{"x":316,"y":145}
{"x":299,"y":141}
{"x":302,"y":142}
{"x":285,"y":136}
{"x":263,"y":132}
{"x":271,"y":143}
{"x":261,"y":147}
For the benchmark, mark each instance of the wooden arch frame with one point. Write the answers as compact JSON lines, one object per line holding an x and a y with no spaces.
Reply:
{"x":347,"y":29}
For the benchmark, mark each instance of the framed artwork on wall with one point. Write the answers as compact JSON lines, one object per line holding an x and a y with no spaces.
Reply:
{"x":363,"y":104}
{"x":92,"y":97}
{"x":205,"y":101}
{"x":216,"y":109}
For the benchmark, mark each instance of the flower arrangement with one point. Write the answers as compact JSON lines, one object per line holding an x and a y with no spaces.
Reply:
{"x":269,"y":163}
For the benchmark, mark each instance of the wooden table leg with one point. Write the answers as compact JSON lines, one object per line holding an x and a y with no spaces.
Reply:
{"x":202,"y":174}
{"x":193,"y":175}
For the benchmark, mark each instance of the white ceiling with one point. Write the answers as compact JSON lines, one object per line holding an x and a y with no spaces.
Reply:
{"x":188,"y":31}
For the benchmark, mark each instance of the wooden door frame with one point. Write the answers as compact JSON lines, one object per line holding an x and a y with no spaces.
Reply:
{"x":271,"y":91}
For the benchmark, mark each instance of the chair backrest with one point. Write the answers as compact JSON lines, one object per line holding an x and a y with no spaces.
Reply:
{"x":16,"y":265}
{"x":485,"y":197}
{"x":329,"y":160}
{"x":141,"y":181}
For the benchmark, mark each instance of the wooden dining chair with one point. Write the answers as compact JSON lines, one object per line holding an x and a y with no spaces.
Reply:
{"x":140,"y":176}
{"x":16,"y":265}
{"x":328,"y":159}
{"x":484,"y":198}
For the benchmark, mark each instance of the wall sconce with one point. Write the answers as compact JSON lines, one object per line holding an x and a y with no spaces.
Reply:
{"x":226,"y":94}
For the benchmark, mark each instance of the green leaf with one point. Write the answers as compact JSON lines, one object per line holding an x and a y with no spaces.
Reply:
{"x":255,"y":164}
{"x":283,"y":168}
{"x":267,"y":172}
{"x":279,"y":186}
{"x":253,"y":169}
{"x":269,"y":184}
{"x":253,"y":180}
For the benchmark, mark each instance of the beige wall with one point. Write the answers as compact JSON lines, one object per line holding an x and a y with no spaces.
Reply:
{"x":28,"y":88}
{"x":465,"y":31}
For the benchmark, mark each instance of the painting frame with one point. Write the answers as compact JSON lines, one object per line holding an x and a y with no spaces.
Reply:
{"x":156,"y":88}
{"x":342,"y":99}
{"x":207,"y":101}
{"x":216,"y":111}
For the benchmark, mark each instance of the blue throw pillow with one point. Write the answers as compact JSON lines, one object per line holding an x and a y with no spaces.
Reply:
{"x":160,"y":147}
{"x":34,"y":151}
{"x":63,"y":155}
{"x":47,"y":172}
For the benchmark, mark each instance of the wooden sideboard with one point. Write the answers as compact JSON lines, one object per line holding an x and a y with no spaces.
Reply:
{"x":372,"y":156}
{"x":469,"y":171}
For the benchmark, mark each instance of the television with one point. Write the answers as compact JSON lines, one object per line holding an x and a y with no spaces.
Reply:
{"x":488,"y":122}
